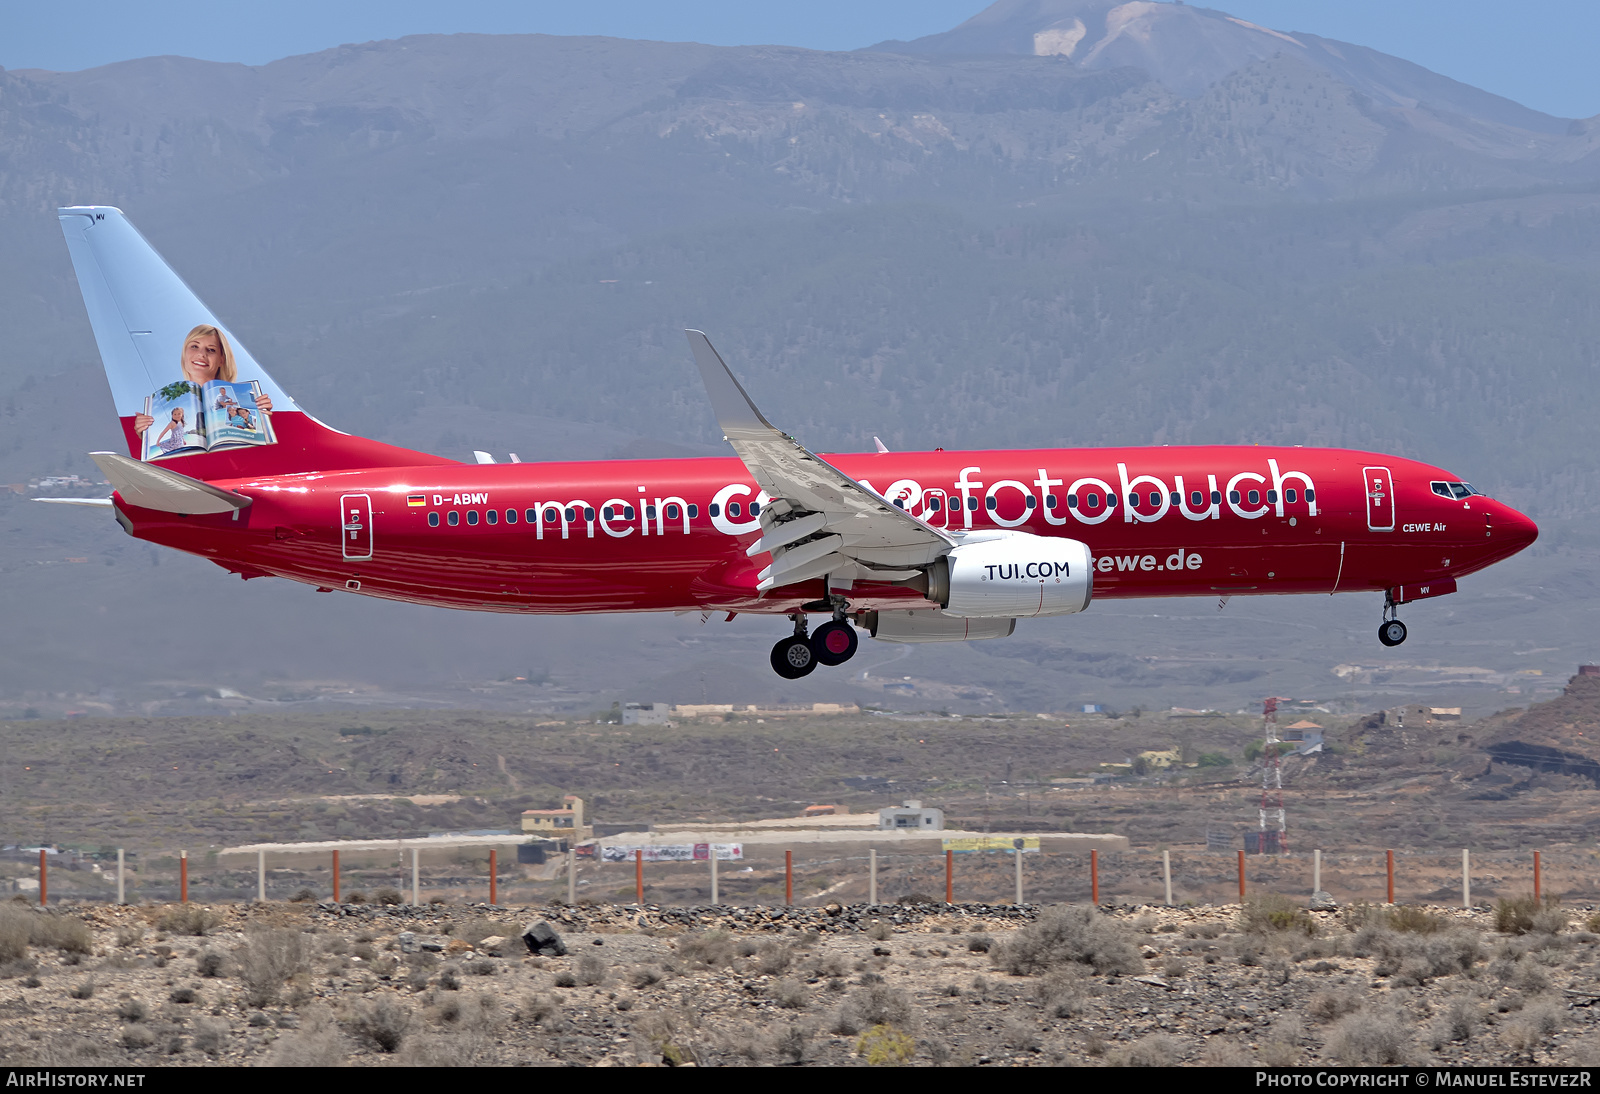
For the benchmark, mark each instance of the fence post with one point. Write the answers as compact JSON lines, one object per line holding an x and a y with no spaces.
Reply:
{"x":1537,"y":895}
{"x":494,"y":878}
{"x":44,"y":880}
{"x":183,"y":877}
{"x":336,"y":877}
{"x":1017,"y":854}
{"x":416,"y":888}
{"x":1094,"y":876}
{"x":122,"y":892}
{"x":1316,"y":871}
{"x":638,"y":874}
{"x":1166,"y":873}
{"x":788,"y":878}
{"x":1241,"y":877}
{"x":714,"y":893}
{"x":949,"y":877}
{"x":872,"y":875}
{"x":1466,"y":879}
{"x":1389,"y":859}
{"x":261,"y":876}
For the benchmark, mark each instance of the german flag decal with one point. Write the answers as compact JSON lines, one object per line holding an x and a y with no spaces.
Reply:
{"x":416,"y":500}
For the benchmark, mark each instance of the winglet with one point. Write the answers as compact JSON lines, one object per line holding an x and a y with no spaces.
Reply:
{"x":150,"y":486}
{"x":736,"y":412}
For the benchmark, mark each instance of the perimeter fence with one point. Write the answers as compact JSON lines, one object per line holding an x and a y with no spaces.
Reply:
{"x":812,"y":875}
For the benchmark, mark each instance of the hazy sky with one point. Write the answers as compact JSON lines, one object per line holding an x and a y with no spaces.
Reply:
{"x":1539,"y":52}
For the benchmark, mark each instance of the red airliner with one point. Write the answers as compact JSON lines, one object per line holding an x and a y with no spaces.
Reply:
{"x":914,"y":547}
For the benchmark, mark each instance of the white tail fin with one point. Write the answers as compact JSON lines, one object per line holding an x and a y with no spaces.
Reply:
{"x":140,"y":309}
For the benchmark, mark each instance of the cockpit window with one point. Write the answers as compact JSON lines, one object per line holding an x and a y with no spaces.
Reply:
{"x":1455,"y":489}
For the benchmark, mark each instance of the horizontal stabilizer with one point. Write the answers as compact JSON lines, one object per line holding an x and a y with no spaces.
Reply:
{"x":98,"y":503}
{"x":150,"y":486}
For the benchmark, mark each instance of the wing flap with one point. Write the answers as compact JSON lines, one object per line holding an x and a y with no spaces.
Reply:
{"x":872,"y":532}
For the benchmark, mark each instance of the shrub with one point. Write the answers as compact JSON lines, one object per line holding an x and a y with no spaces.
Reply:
{"x":137,"y":1037}
{"x":1409,"y":917}
{"x":773,"y":958}
{"x":62,"y":932}
{"x":83,"y":989}
{"x":591,"y":971}
{"x":1526,"y":915}
{"x":210,"y":1035}
{"x":356,"y":897}
{"x":790,"y":994}
{"x":885,"y":1046}
{"x":388,"y":895}
{"x":1458,"y":1022}
{"x":538,"y":1010}
{"x":268,"y":960}
{"x":190,"y":919}
{"x":1370,"y":1037}
{"x":1328,"y":1005}
{"x":979,"y":943}
{"x":878,"y":1005}
{"x":1156,"y":1050}
{"x":131,"y":1010}
{"x":1069,"y":934}
{"x":304,"y":896}
{"x":1272,"y":912}
{"x":184,"y":995}
{"x":879,"y":931}
{"x":1063,"y":993}
{"x":1215,"y":759}
{"x":379,"y":1023}
{"x":713,"y":949}
{"x":1416,"y":959}
{"x":210,"y":964}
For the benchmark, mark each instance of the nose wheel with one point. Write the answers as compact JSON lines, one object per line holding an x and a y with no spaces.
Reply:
{"x":1391,"y":632}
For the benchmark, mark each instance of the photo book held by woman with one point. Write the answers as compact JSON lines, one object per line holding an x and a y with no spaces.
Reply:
{"x":192,"y":417}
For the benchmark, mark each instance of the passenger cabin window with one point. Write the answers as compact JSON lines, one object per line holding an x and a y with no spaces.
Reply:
{"x":1255,"y":497}
{"x":1196,"y":498}
{"x":433,"y":520}
{"x":608,"y":513}
{"x":1233,"y":497}
{"x":511,"y":516}
{"x":1289,"y":496}
{"x":532,"y":515}
{"x":453,"y":518}
{"x":649,"y":512}
{"x":934,"y":504}
{"x":672,"y":512}
{"x":1216,"y":497}
{"x":694,"y":510}
{"x":492,"y":516}
{"x":713,"y":509}
{"x":733,"y":508}
{"x":1311,"y":495}
{"x":755,"y":509}
{"x":1272,"y":497}
{"x":627,"y":512}
{"x":570,"y":515}
{"x":990,"y":504}
{"x":1155,"y":499}
{"x":588,"y":512}
{"x":1031,"y":502}
{"x":551,"y":516}
{"x":1049,"y":501}
{"x":472,"y":516}
{"x":972,"y":504}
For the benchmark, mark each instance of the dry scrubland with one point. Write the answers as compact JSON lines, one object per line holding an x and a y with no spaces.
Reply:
{"x":1269,"y":983}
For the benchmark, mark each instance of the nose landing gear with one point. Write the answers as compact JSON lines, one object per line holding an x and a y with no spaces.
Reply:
{"x":1391,"y":632}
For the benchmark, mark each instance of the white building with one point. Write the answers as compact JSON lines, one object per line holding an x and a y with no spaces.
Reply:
{"x":911,"y":814}
{"x":644,"y":714}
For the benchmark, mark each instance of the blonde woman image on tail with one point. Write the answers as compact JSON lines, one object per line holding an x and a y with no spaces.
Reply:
{"x":206,"y":356}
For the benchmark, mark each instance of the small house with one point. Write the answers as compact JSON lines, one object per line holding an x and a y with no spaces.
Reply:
{"x":911,"y":815}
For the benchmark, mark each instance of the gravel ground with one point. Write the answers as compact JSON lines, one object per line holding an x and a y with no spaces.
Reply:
{"x":995,"y":985}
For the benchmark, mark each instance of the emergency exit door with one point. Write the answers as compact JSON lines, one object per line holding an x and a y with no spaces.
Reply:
{"x":1380,"y":499}
{"x":355,"y":512}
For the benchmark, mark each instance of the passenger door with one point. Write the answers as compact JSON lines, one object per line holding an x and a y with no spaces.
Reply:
{"x":1379,"y":488}
{"x":355,"y":518}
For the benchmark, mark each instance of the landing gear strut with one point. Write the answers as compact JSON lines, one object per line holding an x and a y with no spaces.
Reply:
{"x":1391,"y":632}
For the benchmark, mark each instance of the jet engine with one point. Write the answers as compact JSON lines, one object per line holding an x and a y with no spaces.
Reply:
{"x":1012,"y":575}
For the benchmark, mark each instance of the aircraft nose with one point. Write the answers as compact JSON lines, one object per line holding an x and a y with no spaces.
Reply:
{"x":1514,"y":528}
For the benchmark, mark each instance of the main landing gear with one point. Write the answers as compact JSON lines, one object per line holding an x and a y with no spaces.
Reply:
{"x":833,"y":643}
{"x":1391,"y":632}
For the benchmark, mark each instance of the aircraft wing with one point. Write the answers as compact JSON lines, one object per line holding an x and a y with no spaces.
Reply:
{"x":820,"y":521}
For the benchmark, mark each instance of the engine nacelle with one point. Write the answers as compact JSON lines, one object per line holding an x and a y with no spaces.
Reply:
{"x":1013,"y":575}
{"x":932,"y":625}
